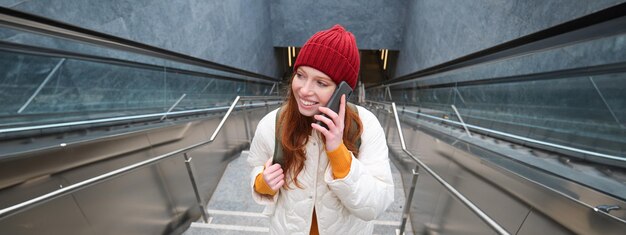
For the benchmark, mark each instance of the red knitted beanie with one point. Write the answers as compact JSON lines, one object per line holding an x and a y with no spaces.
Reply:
{"x":333,"y":52}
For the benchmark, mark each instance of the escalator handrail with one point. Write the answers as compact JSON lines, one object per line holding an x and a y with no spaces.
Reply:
{"x":12,"y":210}
{"x":525,"y":139}
{"x":6,"y":212}
{"x":129,"y":118}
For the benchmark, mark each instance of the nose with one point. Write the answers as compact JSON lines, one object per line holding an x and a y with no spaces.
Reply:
{"x":307,"y":87}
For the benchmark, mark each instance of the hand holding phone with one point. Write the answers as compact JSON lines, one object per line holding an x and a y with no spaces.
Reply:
{"x":335,"y":99}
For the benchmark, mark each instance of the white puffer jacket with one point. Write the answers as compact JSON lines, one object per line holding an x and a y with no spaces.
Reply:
{"x":343,"y":206}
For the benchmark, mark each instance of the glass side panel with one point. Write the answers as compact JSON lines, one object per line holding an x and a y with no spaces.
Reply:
{"x":582,"y":112}
{"x":38,"y":87}
{"x":540,"y":97}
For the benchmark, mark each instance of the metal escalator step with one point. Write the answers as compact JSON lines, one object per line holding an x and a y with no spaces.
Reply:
{"x":239,"y":218}
{"x":232,"y":210}
{"x":223,"y":229}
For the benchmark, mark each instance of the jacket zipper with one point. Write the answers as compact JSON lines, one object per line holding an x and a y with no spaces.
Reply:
{"x":319,"y":155}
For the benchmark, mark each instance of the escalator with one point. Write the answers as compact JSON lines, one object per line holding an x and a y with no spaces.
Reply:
{"x":101,"y":139}
{"x":529,"y":134}
{"x":103,"y":135}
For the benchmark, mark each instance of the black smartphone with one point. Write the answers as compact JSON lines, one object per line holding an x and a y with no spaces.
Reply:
{"x":335,"y":99}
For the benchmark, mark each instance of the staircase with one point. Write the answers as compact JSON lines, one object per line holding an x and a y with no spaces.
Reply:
{"x":232,"y":211}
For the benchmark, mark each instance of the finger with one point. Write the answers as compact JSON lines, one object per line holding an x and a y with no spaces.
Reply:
{"x":268,"y":174}
{"x":273,"y":168}
{"x":278,"y":179}
{"x":268,"y":179}
{"x":329,"y":112}
{"x":273,"y":175}
{"x":339,"y":119}
{"x":321,"y":129}
{"x":278,"y":185}
{"x":329,"y":123}
{"x":342,"y":108}
{"x":268,"y":163}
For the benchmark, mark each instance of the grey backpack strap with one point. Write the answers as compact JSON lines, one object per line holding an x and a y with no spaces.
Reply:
{"x":278,"y":147}
{"x":353,"y":128}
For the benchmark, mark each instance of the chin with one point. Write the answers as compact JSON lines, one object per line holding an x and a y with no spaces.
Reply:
{"x":308,"y":113}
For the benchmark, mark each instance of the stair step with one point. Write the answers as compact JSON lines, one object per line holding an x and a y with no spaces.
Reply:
{"x":225,"y":222}
{"x":385,"y":227}
{"x":223,"y":229}
{"x":243,"y":227}
{"x":232,"y":210}
{"x":238,"y":218}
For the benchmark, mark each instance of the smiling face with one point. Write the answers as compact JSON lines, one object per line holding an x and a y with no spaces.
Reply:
{"x":312,"y":89}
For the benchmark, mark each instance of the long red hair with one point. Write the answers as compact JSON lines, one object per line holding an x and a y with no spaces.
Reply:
{"x":296,"y":134}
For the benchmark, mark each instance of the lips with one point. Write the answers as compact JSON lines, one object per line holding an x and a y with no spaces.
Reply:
{"x":308,"y":103}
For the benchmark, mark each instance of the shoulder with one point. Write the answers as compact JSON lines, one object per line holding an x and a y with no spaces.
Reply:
{"x":372,"y":130}
{"x":270,"y":117}
{"x":366,"y":116}
{"x":268,"y":122}
{"x":262,"y":145}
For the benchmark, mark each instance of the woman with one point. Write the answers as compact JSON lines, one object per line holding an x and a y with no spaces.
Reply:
{"x":328,"y":182}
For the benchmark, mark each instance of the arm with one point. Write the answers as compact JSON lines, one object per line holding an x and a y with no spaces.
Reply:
{"x":261,"y":151}
{"x":367,"y":190}
{"x":340,"y":160}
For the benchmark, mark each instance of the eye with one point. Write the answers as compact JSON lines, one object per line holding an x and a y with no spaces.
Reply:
{"x":299,"y":75}
{"x":322,"y":84}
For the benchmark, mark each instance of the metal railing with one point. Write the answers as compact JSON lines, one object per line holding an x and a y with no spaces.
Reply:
{"x":12,"y":210}
{"x":36,"y":24}
{"x":484,"y":217}
{"x":521,"y":138}
{"x":130,"y":118}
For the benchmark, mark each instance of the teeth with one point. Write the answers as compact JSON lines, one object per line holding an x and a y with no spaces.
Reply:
{"x":307,"y":103}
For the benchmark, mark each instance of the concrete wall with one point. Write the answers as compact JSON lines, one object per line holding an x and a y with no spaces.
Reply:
{"x":376,"y":24}
{"x":242,"y":33}
{"x":235,"y":33}
{"x":439,"y":31}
